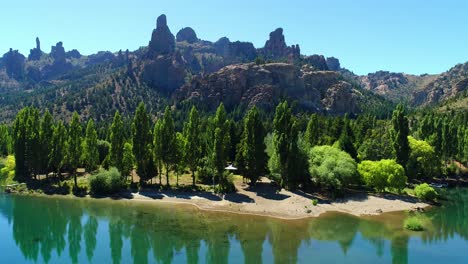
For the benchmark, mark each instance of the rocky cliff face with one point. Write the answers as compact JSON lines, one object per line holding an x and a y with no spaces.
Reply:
{"x":14,"y":64}
{"x":264,"y":85}
{"x":447,"y":85}
{"x":382,"y":82}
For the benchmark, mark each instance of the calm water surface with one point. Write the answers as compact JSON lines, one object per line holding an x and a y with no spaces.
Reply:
{"x":64,"y":230}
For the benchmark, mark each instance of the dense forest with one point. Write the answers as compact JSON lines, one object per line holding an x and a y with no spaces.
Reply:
{"x":296,"y":150}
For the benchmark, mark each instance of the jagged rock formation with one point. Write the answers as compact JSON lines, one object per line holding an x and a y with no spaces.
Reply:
{"x":333,"y":64}
{"x":264,"y":85}
{"x":60,"y":64}
{"x":276,"y":48}
{"x":14,"y":64}
{"x":73,"y":54}
{"x":381,"y":82}
{"x":187,"y":34}
{"x":165,"y":73}
{"x":448,"y":84}
{"x":162,"y":41}
{"x":36,"y":53}
{"x":58,"y":53}
{"x":318,"y":62}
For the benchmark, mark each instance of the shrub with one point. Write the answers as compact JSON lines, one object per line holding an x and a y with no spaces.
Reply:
{"x":106,"y":182}
{"x":413,"y":223}
{"x":331,"y":168}
{"x":425,"y":192}
{"x":7,"y":172}
{"x":423,"y":161}
{"x":382,"y":174}
{"x":314,"y":202}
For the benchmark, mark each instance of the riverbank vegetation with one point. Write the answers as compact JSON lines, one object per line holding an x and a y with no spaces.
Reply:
{"x":313,"y":152}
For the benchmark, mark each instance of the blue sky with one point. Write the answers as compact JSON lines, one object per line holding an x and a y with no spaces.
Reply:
{"x":413,"y":36}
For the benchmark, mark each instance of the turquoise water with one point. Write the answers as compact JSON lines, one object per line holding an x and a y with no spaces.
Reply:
{"x":67,"y":230}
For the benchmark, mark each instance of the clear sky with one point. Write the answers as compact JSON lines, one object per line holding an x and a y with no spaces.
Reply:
{"x":413,"y":36}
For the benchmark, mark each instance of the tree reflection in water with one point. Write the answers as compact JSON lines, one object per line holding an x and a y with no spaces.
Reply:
{"x":70,"y":229}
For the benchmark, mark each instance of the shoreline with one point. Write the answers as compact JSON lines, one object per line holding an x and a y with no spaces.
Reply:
{"x":265,"y":201}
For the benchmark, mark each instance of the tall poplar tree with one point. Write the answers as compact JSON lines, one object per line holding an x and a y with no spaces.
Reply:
{"x":90,"y":147}
{"x":312,"y":134}
{"x":142,"y":145}
{"x":57,"y":157}
{"x":74,"y":144}
{"x":117,"y":141}
{"x":253,"y":146}
{"x":45,"y":137}
{"x":168,"y":141}
{"x":192,"y":148}
{"x":400,"y":135}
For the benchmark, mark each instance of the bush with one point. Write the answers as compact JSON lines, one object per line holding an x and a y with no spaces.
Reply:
{"x":331,"y":168}
{"x":425,"y":192}
{"x":106,"y":182}
{"x":382,"y":174}
{"x":226,"y":184}
{"x":7,"y":172}
{"x":413,"y":223}
{"x":314,"y":202}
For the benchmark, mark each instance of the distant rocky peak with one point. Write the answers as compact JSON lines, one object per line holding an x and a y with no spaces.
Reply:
{"x":276,"y":48}
{"x":162,"y":40}
{"x":58,"y":53}
{"x":187,"y":34}
{"x":35,"y":53}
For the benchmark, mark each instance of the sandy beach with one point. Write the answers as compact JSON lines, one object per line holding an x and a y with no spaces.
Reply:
{"x":266,"y":200}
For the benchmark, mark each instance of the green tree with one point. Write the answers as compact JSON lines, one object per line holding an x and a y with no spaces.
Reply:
{"x":19,"y":143}
{"x":179,"y":157}
{"x":192,"y":148}
{"x":285,"y":135}
{"x":117,"y":141}
{"x":45,"y":137}
{"x":142,"y":145}
{"x":382,"y":174}
{"x":90,"y":147}
{"x":221,"y":143}
{"x":345,"y":141}
{"x":58,"y":152}
{"x":128,"y":160}
{"x":5,"y":141}
{"x":400,"y":135}
{"x":253,"y":146}
{"x":312,"y":134}
{"x":423,"y":161}
{"x":168,"y":141}
{"x":331,"y":168}
{"x":74,"y":145}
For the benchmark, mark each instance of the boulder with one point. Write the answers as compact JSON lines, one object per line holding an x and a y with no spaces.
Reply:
{"x":333,"y":64}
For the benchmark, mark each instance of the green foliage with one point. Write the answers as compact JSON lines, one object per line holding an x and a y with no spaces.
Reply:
{"x":128,"y":160}
{"x":345,"y":141}
{"x":90,"y":147}
{"x":252,"y":146}
{"x":6,"y":141}
{"x":106,"y":182}
{"x":74,"y":144}
{"x":57,"y":158}
{"x":192,"y":148}
{"x":376,"y":144}
{"x":167,"y":141}
{"x":7,"y":172}
{"x":423,"y":161}
{"x":331,"y":168}
{"x":103,"y":150}
{"x":221,"y":144}
{"x":314,"y":202}
{"x":425,"y":192}
{"x":142,"y":144}
{"x":413,"y":223}
{"x":312,"y":134}
{"x":400,"y":135}
{"x":382,"y":174}
{"x":117,"y":141}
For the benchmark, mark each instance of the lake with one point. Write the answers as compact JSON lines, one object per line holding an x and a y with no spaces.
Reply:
{"x":68,"y":230}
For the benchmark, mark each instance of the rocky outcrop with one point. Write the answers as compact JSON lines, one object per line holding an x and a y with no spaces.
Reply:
{"x":14,"y":64}
{"x":445,"y":86}
{"x":276,"y":48}
{"x":58,"y":53}
{"x":162,"y":40}
{"x":60,"y":65}
{"x":264,"y":85}
{"x":187,"y":34}
{"x":73,"y":54}
{"x":318,"y":62}
{"x":36,"y":53}
{"x":381,"y":82}
{"x":101,"y":57}
{"x":333,"y":64}
{"x":165,"y":73}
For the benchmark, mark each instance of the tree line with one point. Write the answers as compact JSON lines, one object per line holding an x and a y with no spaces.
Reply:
{"x":297,"y":150}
